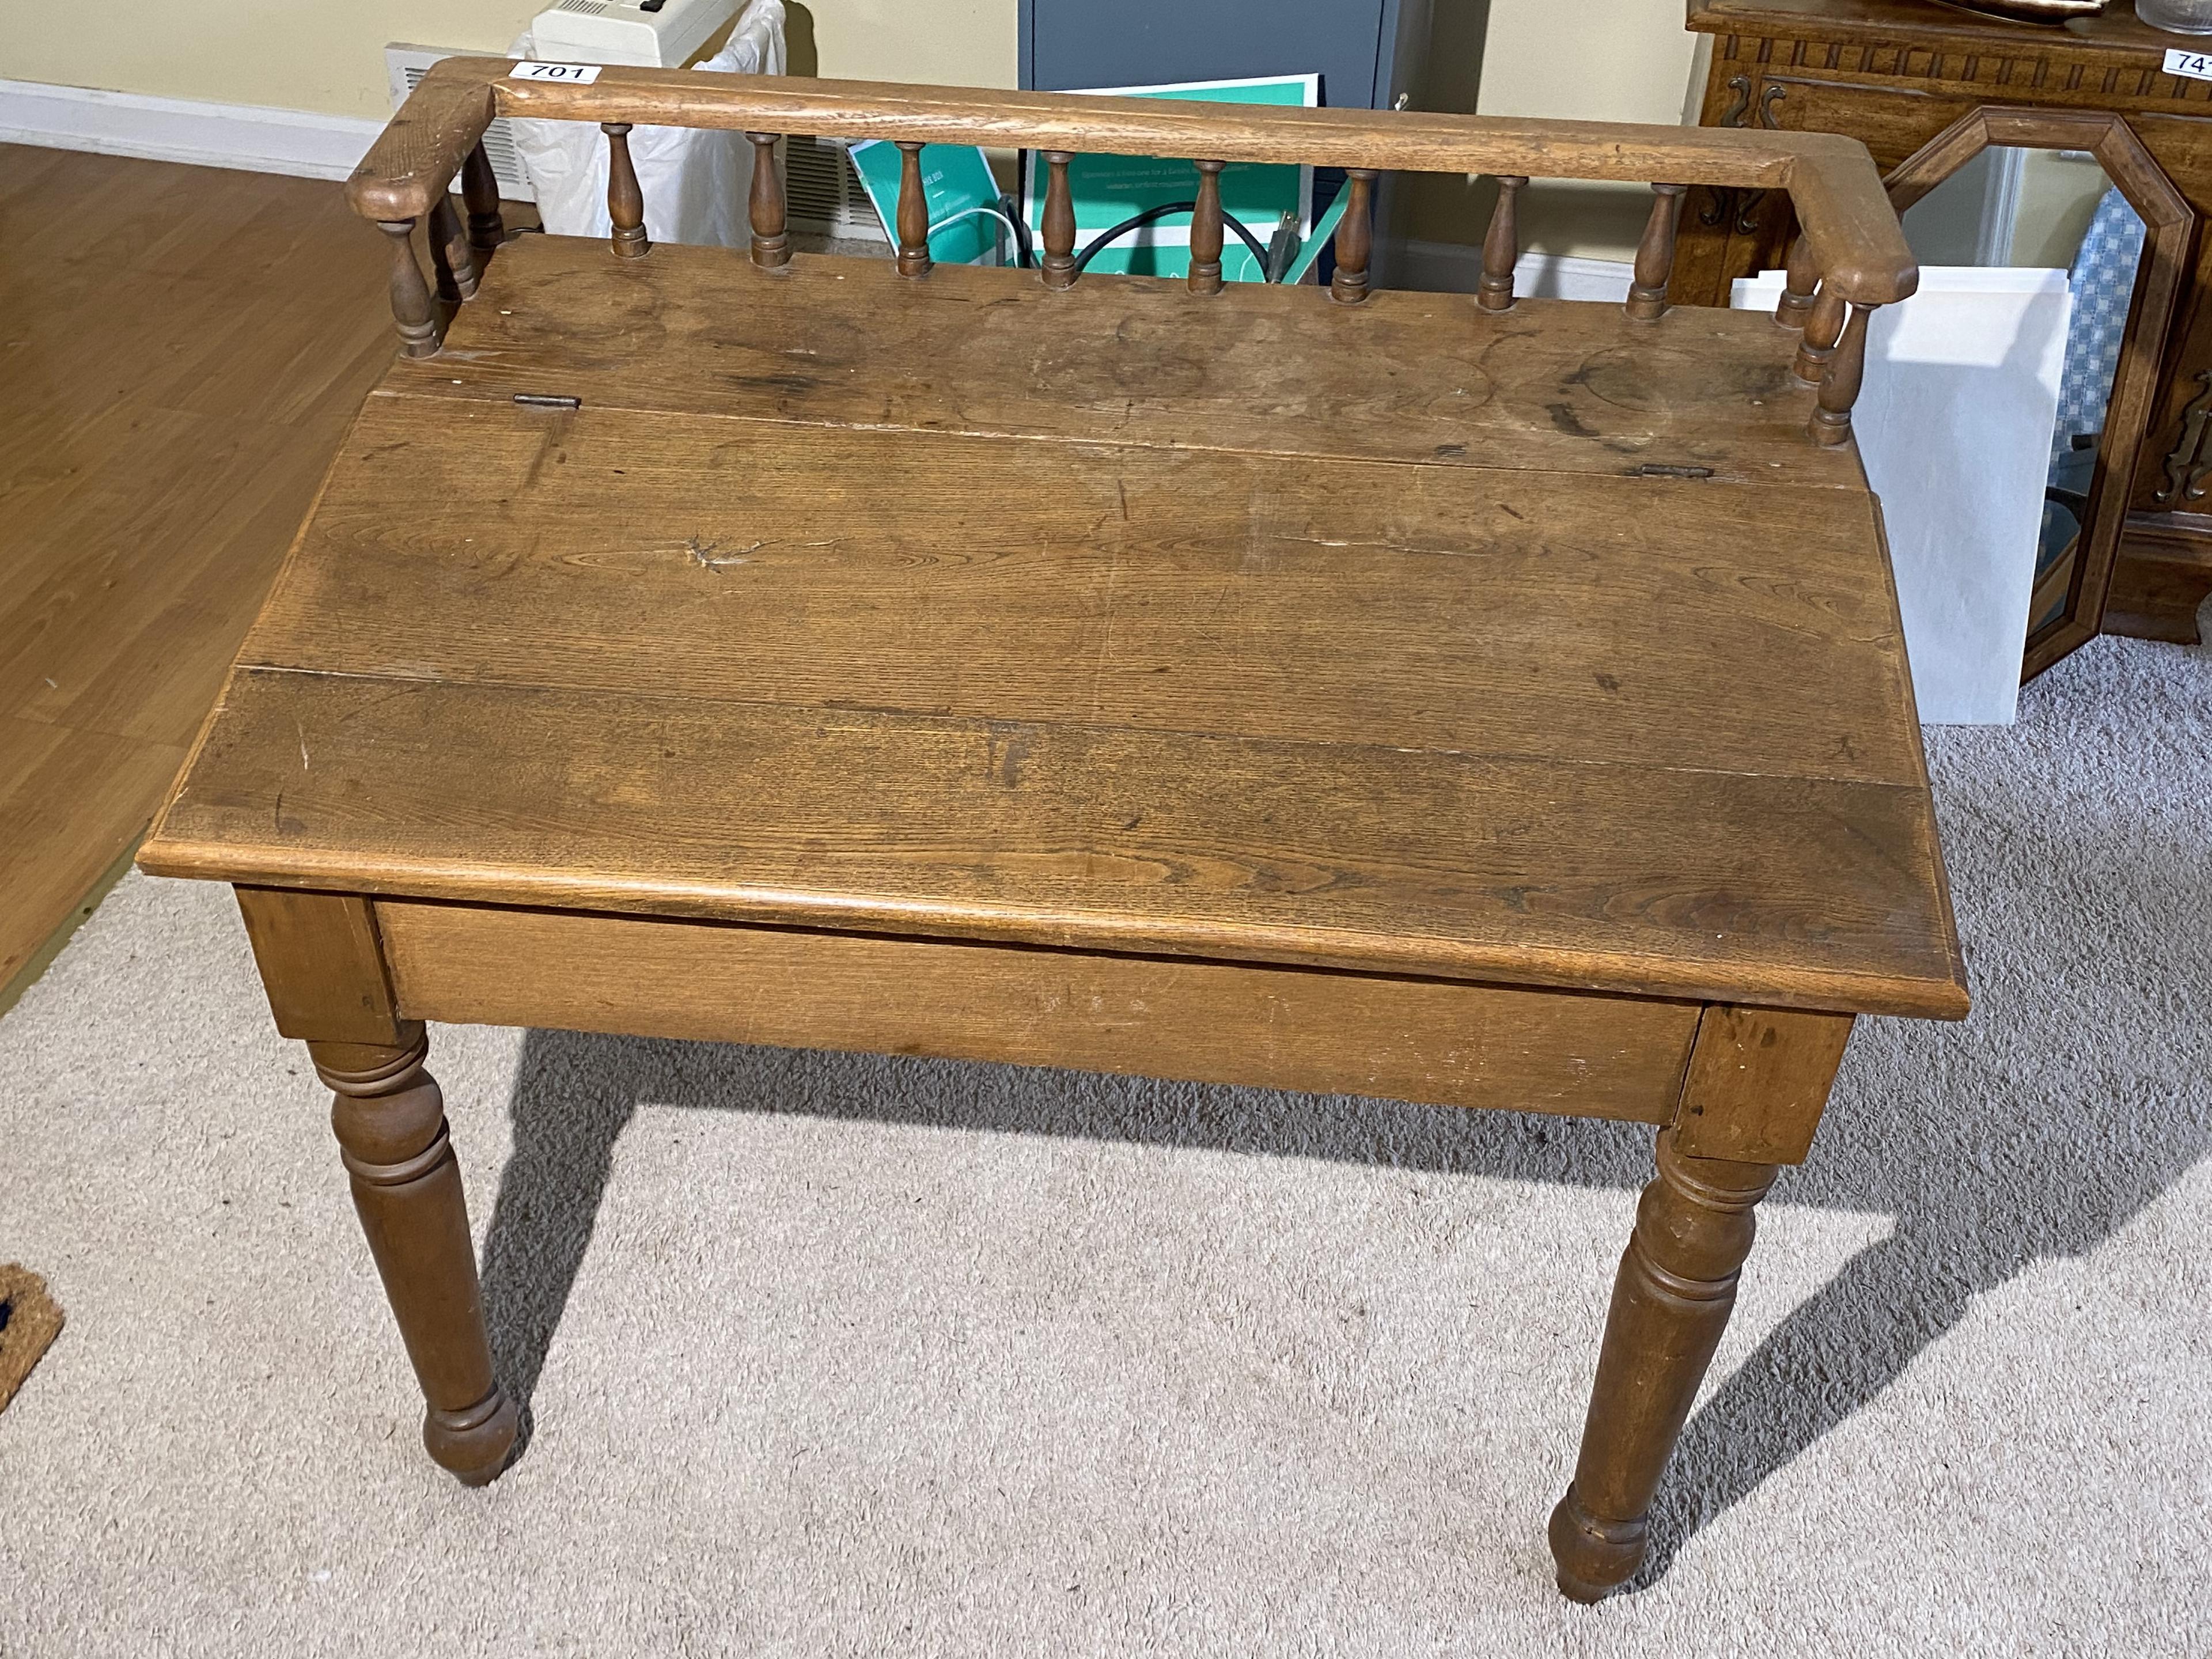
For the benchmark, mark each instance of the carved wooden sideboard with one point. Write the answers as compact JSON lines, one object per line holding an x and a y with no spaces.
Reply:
{"x":1895,"y":73}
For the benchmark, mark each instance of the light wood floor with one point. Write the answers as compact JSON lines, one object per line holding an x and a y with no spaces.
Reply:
{"x":180,"y":350}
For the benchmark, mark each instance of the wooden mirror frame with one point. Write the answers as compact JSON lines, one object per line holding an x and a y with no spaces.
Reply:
{"x":2169,"y":225}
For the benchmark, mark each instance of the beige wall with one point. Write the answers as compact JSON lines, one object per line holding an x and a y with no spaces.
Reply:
{"x":960,"y":43}
{"x":328,"y":55}
{"x":1588,"y":60}
{"x":2059,"y":191}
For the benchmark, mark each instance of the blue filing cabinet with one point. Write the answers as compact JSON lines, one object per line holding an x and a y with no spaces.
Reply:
{"x":1368,"y":51}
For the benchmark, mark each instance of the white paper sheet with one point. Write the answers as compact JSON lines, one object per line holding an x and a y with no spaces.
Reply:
{"x":1953,"y":425}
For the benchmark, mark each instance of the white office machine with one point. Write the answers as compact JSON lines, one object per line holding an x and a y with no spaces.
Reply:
{"x":695,"y":179}
{"x":643,"y":34}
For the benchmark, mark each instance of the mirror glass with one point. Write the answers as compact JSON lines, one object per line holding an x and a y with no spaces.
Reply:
{"x":2049,"y":210}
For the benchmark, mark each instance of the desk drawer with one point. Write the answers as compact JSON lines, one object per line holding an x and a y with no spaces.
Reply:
{"x":1438,"y":1041}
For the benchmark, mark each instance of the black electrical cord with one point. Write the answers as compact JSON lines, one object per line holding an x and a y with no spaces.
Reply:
{"x":1166,"y":209}
{"x":1024,"y":258}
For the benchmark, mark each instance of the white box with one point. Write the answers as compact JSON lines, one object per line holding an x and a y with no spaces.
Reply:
{"x":642,"y":33}
{"x":1953,"y":425}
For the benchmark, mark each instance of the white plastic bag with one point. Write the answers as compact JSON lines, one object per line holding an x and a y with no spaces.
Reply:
{"x":695,"y":181}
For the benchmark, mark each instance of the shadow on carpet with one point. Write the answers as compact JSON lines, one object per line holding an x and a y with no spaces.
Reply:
{"x":2072,"y":1098}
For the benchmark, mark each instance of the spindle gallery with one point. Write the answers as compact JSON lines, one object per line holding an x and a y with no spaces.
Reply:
{"x":1501,"y":246}
{"x":943,"y":765}
{"x":625,"y":200}
{"x":1206,"y":231}
{"x":1830,"y":354}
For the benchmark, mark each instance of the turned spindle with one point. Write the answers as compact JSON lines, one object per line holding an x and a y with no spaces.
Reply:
{"x":1824,"y":326}
{"x":413,"y":313}
{"x":480,"y":193}
{"x":390,"y":1120}
{"x":625,"y":200}
{"x":1501,"y":247}
{"x":1058,"y":265}
{"x":1671,"y":1301}
{"x":450,"y":257}
{"x":1655,"y":255}
{"x":1840,"y":386}
{"x":1797,"y":289}
{"x":913,"y":214}
{"x":1355,"y":234}
{"x":766,"y":207}
{"x":1205,"y":230}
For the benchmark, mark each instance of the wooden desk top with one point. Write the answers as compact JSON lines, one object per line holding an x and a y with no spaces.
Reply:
{"x":1252,"y":627}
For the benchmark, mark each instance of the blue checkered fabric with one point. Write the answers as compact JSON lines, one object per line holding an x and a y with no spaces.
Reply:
{"x":2103,"y":282}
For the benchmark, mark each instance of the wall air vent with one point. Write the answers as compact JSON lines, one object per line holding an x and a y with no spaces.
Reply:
{"x":824,"y":192}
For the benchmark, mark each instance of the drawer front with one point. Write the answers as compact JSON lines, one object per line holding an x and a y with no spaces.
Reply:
{"x":1437,"y":1042}
{"x":1890,"y":121}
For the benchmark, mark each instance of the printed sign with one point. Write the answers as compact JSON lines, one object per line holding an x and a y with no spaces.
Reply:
{"x":965,"y":221}
{"x":575,"y":75}
{"x":1108,"y":189}
{"x":2196,"y":65}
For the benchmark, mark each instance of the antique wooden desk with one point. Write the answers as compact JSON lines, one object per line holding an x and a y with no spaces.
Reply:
{"x":1483,"y":703}
{"x":1897,"y":73}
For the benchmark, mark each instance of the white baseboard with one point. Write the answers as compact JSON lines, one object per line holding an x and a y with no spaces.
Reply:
{"x":242,"y":136}
{"x":1455,"y":268}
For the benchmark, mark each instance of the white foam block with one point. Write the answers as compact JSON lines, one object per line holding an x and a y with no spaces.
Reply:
{"x":1954,"y":425}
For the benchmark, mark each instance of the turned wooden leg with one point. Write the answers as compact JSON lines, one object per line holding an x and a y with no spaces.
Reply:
{"x":322,"y":962}
{"x":1670,"y":1302}
{"x":412,"y":313}
{"x":451,"y":258}
{"x":391,"y":1125}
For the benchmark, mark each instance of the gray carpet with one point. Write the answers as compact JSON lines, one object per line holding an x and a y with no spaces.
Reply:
{"x":839,"y":1355}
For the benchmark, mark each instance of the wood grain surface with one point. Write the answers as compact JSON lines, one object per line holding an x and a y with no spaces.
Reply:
{"x":1757,"y":1082}
{"x":322,"y":965}
{"x":1896,"y":26}
{"x":1441,"y":608}
{"x":182,"y":349}
{"x":1423,"y":1040}
{"x":1677,"y":882}
{"x":1403,"y":376}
